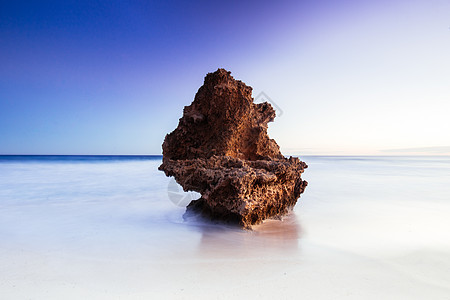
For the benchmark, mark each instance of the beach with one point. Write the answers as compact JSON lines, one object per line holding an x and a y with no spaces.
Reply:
{"x":367,"y":227}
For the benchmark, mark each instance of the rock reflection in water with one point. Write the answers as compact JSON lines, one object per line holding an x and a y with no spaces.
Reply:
{"x":274,"y":237}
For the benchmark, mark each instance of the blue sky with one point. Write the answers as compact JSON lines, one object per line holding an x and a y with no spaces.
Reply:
{"x":112,"y":77}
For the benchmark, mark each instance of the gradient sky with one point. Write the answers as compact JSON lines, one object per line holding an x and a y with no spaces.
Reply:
{"x":112,"y":77}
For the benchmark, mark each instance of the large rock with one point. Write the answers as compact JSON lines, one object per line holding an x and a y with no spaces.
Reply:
{"x":221,"y":150}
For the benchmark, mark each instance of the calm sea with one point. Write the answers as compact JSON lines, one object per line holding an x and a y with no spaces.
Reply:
{"x":112,"y":227}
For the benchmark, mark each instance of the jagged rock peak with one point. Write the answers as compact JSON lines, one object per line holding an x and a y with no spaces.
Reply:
{"x":223,"y":120}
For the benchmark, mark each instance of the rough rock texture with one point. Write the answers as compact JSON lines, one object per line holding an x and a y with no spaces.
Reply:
{"x":221,"y":150}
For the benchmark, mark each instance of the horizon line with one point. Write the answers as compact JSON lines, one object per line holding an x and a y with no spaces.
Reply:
{"x":287,"y":155}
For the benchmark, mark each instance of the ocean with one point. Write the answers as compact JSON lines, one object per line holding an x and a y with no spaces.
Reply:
{"x":112,"y":227}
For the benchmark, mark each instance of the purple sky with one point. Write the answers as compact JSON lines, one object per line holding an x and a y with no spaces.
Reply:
{"x":112,"y":77}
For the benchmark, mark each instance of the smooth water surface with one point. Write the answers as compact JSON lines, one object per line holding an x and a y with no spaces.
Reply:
{"x":107,"y":228}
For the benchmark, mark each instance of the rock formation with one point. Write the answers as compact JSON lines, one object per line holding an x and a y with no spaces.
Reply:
{"x":221,"y":150}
